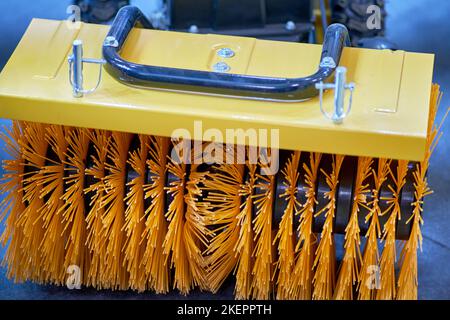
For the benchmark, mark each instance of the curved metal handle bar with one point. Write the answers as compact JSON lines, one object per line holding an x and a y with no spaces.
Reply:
{"x":287,"y":89}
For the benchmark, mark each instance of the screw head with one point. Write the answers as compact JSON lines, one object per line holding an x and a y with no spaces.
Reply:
{"x":328,"y":62}
{"x":221,"y":67}
{"x":193,"y":29}
{"x":110,"y":41}
{"x":290,"y":25}
{"x":225,"y":53}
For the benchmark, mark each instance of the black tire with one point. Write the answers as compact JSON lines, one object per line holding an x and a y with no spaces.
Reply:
{"x":99,"y":11}
{"x":353,"y":14}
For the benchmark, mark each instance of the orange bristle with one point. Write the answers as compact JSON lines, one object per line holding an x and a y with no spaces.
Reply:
{"x":73,"y":211}
{"x":196,"y":233}
{"x":12,"y":207}
{"x":116,"y":275}
{"x":349,"y":268}
{"x":134,"y":216}
{"x":52,"y":182}
{"x":389,"y":255}
{"x":187,"y":232}
{"x":325,"y":262}
{"x":245,"y":244}
{"x":95,"y":240}
{"x":305,"y":249}
{"x":262,"y":226}
{"x":367,"y":289}
{"x":156,"y":270}
{"x":34,"y":149}
{"x":222,"y":187}
{"x":407,"y":279}
{"x":286,"y":233}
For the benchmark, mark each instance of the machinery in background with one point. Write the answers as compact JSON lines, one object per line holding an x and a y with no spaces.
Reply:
{"x":285,"y":20}
{"x":99,"y":11}
{"x":355,"y":13}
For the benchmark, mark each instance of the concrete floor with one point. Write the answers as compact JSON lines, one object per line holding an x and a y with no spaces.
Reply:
{"x":415,"y":25}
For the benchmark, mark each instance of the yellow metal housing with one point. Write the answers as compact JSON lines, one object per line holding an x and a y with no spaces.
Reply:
{"x":388,"y":118}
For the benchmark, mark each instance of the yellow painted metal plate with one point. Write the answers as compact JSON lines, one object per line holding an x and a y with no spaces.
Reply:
{"x":388,"y":117}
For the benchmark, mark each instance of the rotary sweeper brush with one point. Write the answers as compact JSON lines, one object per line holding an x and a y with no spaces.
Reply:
{"x":94,"y":182}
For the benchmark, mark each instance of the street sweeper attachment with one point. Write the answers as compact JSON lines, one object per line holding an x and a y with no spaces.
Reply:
{"x":164,"y":177}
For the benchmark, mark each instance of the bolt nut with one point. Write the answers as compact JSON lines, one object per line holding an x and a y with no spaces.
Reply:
{"x":327,"y":62}
{"x":221,"y":67}
{"x":193,"y":29}
{"x":225,"y":53}
{"x":111,"y":42}
{"x":290,"y":25}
